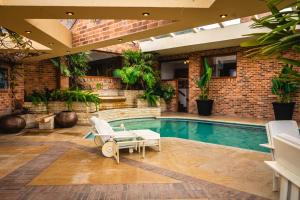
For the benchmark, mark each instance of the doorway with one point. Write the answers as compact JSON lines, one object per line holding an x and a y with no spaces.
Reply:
{"x":177,"y":70}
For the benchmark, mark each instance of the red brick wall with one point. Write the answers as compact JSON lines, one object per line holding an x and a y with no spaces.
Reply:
{"x":6,"y":94}
{"x":247,"y":95}
{"x":119,"y":48}
{"x":40,"y":75}
{"x":91,"y":31}
{"x":106,"y":82}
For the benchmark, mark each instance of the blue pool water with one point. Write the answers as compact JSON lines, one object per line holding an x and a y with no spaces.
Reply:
{"x":235,"y":135}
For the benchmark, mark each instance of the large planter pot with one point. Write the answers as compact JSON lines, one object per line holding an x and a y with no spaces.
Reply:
{"x":35,"y":108}
{"x":205,"y":107}
{"x":12,"y":124}
{"x":283,"y":111}
{"x":66,"y":119}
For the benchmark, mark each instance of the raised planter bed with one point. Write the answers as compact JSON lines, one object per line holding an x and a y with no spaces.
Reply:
{"x":40,"y":108}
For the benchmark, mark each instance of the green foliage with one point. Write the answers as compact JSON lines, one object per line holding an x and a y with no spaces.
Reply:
{"x":39,"y":97}
{"x":77,"y":95}
{"x":283,"y":34}
{"x":68,"y":96}
{"x":99,"y":86}
{"x":151,"y":97}
{"x":138,"y":68}
{"x":73,"y":66}
{"x":282,"y":86}
{"x":165,"y":91}
{"x":203,"y":82}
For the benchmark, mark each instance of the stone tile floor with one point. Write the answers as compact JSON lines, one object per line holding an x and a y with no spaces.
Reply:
{"x":63,"y":165}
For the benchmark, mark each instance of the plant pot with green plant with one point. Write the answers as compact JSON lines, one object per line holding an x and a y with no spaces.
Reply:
{"x":69,"y":118}
{"x":284,"y":87}
{"x":204,"y":104}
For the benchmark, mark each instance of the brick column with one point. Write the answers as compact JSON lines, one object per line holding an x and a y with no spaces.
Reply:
{"x":194,"y":74}
{"x":64,"y":82}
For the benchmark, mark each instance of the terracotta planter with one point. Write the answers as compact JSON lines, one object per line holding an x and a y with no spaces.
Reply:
{"x":35,"y":109}
{"x":12,"y":124}
{"x":66,"y":119}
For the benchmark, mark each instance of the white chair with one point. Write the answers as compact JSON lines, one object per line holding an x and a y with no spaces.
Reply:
{"x":274,"y":128}
{"x":106,"y":137}
{"x":287,"y":165}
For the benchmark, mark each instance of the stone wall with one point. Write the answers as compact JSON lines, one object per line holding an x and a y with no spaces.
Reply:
{"x":247,"y":95}
{"x":106,"y":82}
{"x":117,"y":114}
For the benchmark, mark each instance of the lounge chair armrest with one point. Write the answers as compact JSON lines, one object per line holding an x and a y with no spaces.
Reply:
{"x":269,"y":146}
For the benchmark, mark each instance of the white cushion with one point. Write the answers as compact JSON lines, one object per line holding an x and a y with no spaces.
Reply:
{"x":147,"y":134}
{"x":102,"y":126}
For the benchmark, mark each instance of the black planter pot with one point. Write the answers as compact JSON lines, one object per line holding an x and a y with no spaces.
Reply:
{"x":283,"y":111}
{"x":12,"y":124}
{"x":205,"y":107}
{"x":66,"y":119}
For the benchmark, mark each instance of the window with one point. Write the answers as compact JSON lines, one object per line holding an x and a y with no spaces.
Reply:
{"x":3,"y":78}
{"x":223,"y":66}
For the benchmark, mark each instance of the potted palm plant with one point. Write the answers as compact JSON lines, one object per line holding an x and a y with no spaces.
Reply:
{"x":204,"y":104}
{"x":283,"y":87}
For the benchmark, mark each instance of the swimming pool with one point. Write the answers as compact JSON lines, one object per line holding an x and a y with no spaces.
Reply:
{"x":235,"y":135}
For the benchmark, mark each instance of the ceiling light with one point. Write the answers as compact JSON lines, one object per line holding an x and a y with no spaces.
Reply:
{"x":223,"y":16}
{"x":70,"y":13}
{"x":50,"y":43}
{"x":68,"y":51}
{"x":146,"y":14}
{"x":120,"y":40}
{"x":28,"y":32}
{"x":186,"y":62}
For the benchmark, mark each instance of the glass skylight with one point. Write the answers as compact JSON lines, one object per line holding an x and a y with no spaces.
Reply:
{"x":184,"y":32}
{"x":162,"y":36}
{"x":210,"y":26}
{"x":231,"y":22}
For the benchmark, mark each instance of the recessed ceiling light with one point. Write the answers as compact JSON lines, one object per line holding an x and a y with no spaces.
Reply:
{"x":146,"y":14}
{"x":120,"y":40}
{"x":70,"y":13}
{"x":50,"y":43}
{"x":28,"y":32}
{"x":223,"y":16}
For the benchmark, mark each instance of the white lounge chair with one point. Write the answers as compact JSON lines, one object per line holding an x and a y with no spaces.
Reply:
{"x":274,"y":128}
{"x":287,"y":165}
{"x":105,"y":138}
{"x":110,"y":141}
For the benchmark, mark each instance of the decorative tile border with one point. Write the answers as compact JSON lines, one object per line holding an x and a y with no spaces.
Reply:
{"x":15,"y":185}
